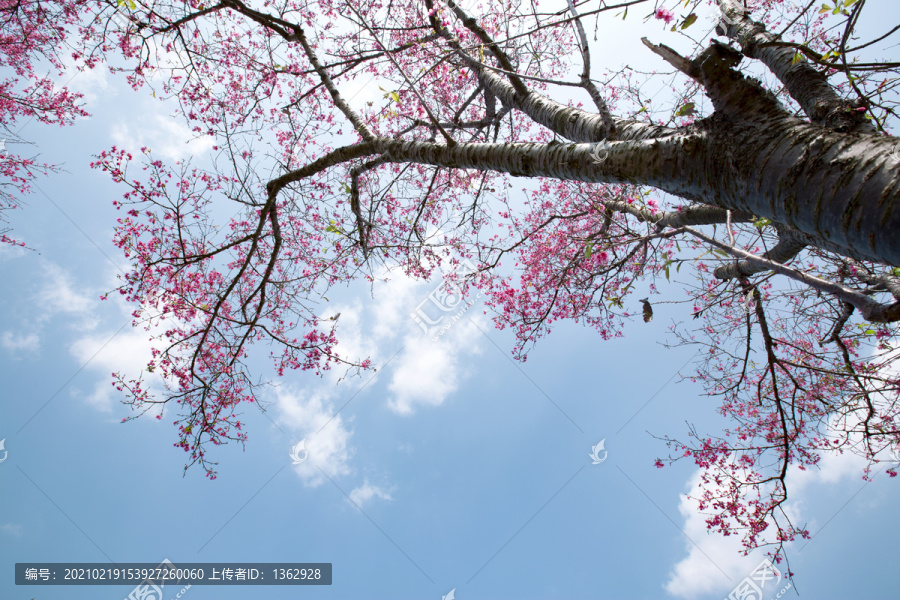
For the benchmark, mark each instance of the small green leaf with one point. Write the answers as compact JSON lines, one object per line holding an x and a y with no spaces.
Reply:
{"x":686,"y":110}
{"x":720,"y":252}
{"x":691,"y":18}
{"x":798,"y":56}
{"x":395,"y":96}
{"x":760,"y":223}
{"x":588,"y":250}
{"x":667,"y":272}
{"x":825,"y":9}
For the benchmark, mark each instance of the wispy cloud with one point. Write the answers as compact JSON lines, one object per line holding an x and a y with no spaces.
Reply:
{"x":364,"y":493}
{"x":12,"y":529}
{"x":165,"y":136}
{"x":312,"y":417}
{"x":126,"y":352}
{"x":20,"y":342}
{"x":59,"y":295}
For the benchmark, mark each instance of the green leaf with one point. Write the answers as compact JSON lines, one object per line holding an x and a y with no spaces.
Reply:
{"x":798,"y":56}
{"x":667,"y":271}
{"x":395,"y":96}
{"x":691,"y":18}
{"x":588,"y":250}
{"x":332,"y":229}
{"x":188,"y":429}
{"x":760,"y":223}
{"x":720,"y":252}
{"x":132,"y":5}
{"x":686,"y":110}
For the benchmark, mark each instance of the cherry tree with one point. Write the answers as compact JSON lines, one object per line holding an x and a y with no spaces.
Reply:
{"x":769,"y":174}
{"x":32,"y":39}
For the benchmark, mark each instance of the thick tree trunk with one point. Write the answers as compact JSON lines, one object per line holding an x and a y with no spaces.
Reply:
{"x":839,"y":189}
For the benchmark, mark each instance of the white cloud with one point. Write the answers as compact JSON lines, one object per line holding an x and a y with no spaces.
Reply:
{"x":428,"y":371}
{"x":126,"y":352}
{"x":91,"y":83}
{"x":11,"y":529}
{"x":10,"y":252}
{"x":59,"y":295}
{"x":327,"y":439}
{"x":353,"y":344}
{"x":19,"y":342}
{"x":165,"y":136}
{"x":714,"y":563}
{"x":393,"y":302}
{"x":366,"y":492}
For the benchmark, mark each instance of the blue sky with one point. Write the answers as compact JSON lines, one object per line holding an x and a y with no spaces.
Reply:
{"x":451,"y":468}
